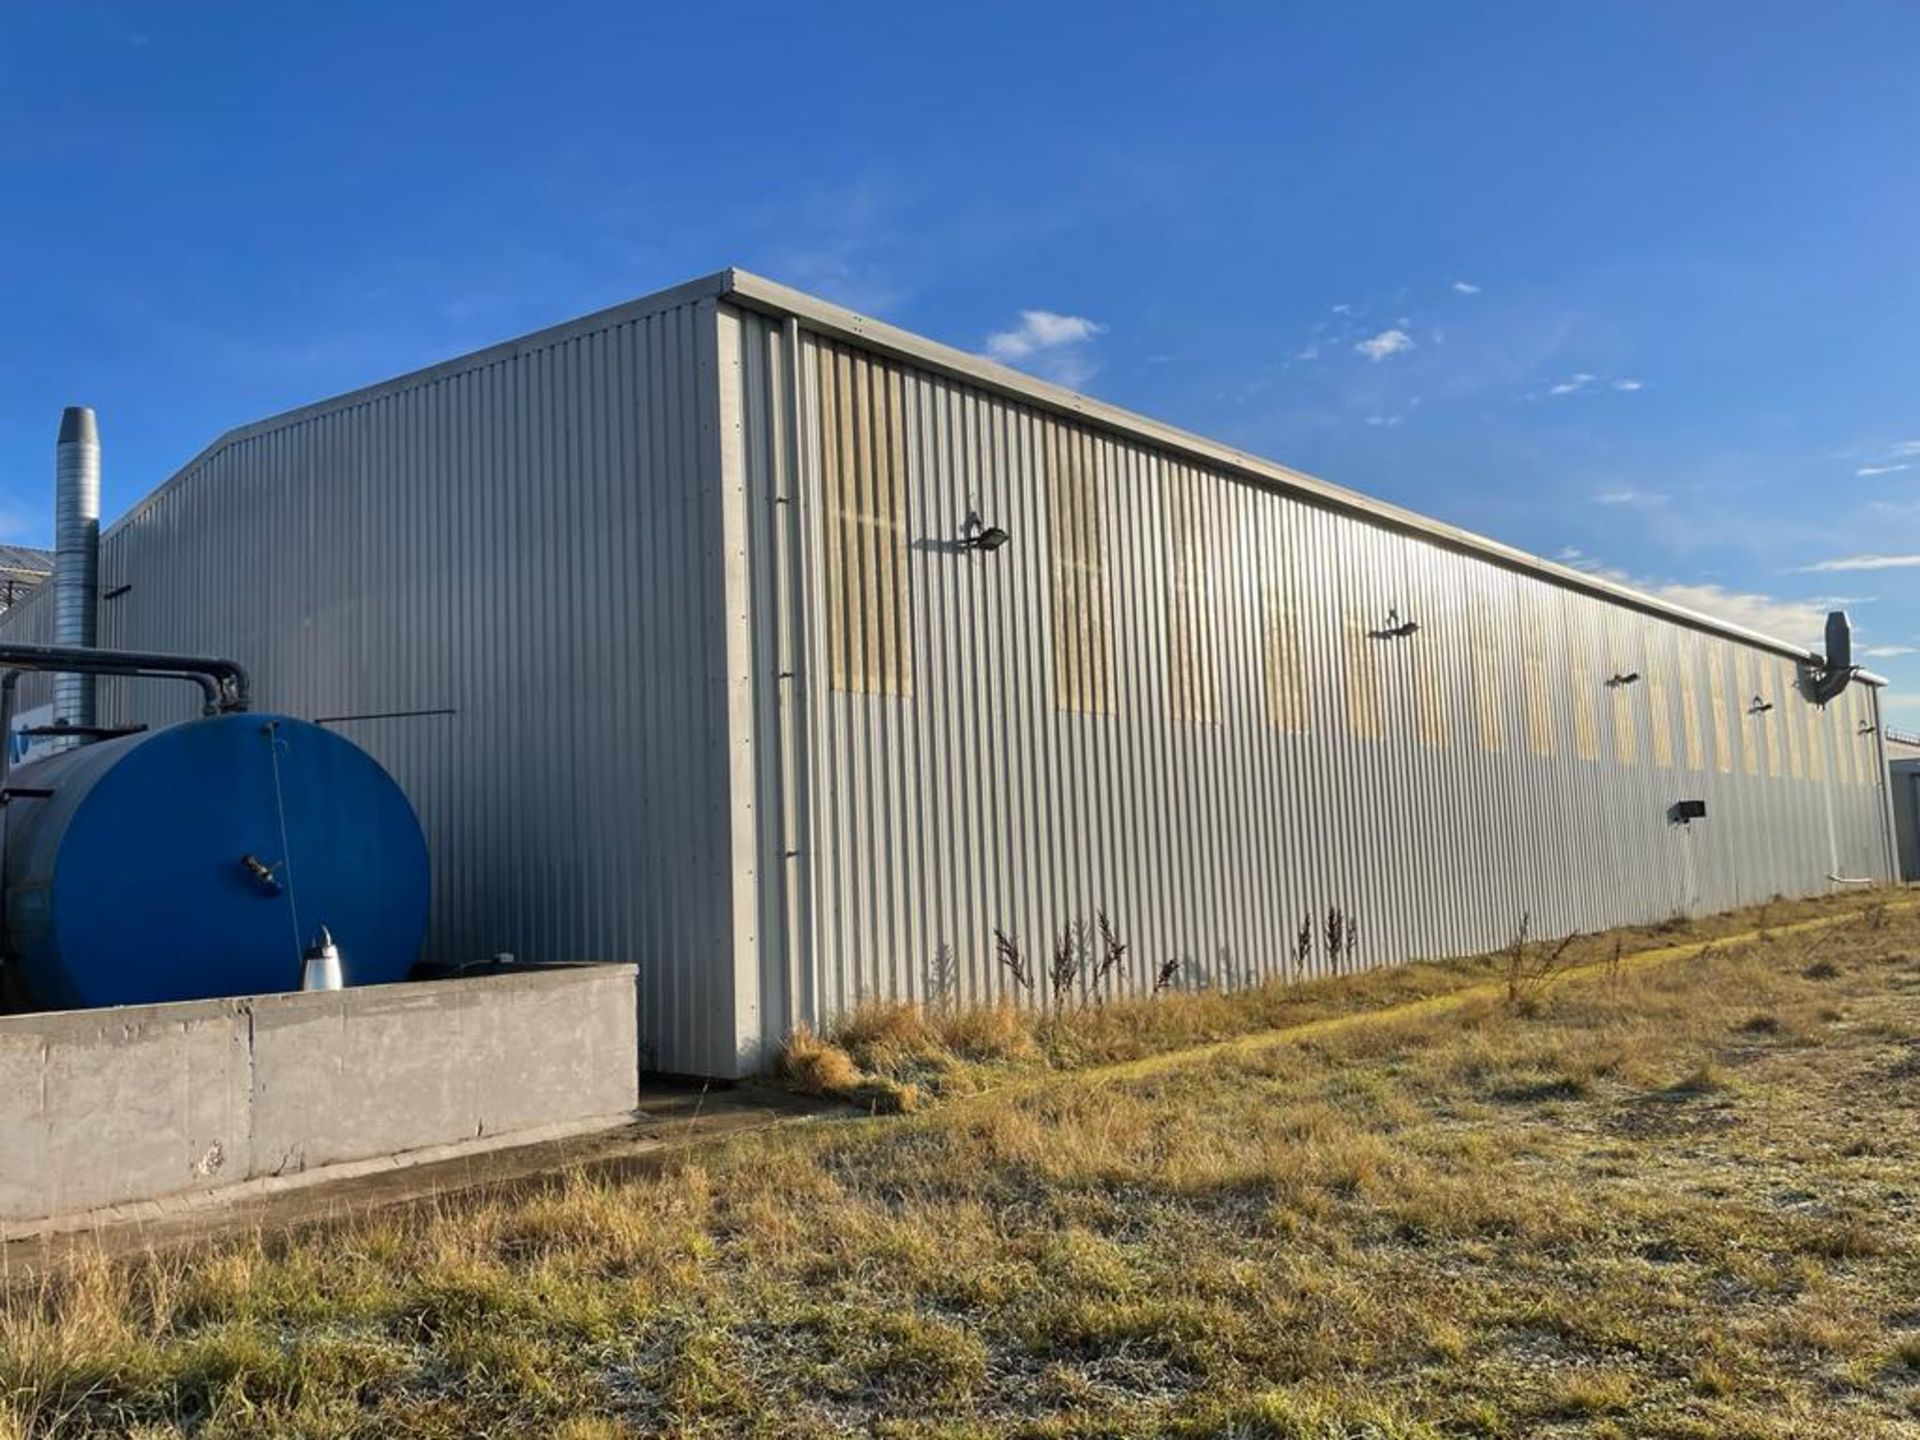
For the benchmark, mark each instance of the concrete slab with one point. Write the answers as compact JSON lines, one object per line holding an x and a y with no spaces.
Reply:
{"x":672,"y":1119}
{"x":109,"y":1109}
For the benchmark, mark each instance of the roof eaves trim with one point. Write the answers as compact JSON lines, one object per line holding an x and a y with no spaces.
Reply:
{"x":758,"y":293}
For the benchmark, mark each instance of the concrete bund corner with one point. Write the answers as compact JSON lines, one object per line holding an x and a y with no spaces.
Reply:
{"x":115,"y":1107}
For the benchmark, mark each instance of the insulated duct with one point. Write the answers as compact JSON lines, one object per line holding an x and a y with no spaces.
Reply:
{"x":76,"y":565}
{"x":1836,"y":666}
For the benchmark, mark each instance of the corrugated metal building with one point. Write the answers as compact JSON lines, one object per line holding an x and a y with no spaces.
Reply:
{"x":669,"y":622}
{"x":21,"y":569}
{"x":1904,"y":777}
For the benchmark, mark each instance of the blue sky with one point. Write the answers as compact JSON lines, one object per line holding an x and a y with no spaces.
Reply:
{"x":1632,"y":285}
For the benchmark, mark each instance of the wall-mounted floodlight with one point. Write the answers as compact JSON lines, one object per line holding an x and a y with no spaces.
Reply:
{"x":988,"y":540}
{"x":1395,"y":628}
{"x":1685,"y":812}
{"x":1866,"y":729}
{"x":1759,"y":706}
{"x":1615,"y":681}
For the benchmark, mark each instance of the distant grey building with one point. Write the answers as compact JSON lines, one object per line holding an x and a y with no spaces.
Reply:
{"x":685,"y":628}
{"x":1903,"y":763}
{"x":22,"y":568}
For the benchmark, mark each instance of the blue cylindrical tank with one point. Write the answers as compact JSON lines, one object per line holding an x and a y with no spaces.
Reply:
{"x":200,"y":860}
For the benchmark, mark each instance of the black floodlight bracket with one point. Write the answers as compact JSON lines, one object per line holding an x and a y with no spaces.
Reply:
{"x":1685,"y":812}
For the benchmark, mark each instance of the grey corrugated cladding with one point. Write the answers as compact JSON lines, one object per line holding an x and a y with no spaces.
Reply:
{"x":24,"y":561}
{"x":612,"y":550}
{"x":1904,"y":778}
{"x":528,"y":537}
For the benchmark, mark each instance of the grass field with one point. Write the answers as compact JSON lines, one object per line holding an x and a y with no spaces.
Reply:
{"x":1677,"y":1199}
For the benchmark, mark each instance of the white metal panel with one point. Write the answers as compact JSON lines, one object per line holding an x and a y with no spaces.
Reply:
{"x":1208,"y":827}
{"x":531,"y":540}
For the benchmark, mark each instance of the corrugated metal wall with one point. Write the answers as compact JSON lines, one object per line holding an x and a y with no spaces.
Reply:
{"x":530,"y":540}
{"x":1904,"y":778}
{"x":730,"y":698}
{"x":1172,"y":698}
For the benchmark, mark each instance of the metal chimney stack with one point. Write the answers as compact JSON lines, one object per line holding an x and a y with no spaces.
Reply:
{"x":76,"y":566}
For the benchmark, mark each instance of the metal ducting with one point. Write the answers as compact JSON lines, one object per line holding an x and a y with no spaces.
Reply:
{"x":1836,"y":667}
{"x":76,"y":568}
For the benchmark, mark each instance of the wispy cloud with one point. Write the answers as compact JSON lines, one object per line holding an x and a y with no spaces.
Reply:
{"x":1905,"y":450}
{"x":1631,"y":497}
{"x":1863,"y":562}
{"x":1887,"y":652}
{"x":1585,"y":380}
{"x":856,"y":243}
{"x":1388,"y":342}
{"x":1800,"y":622}
{"x":1050,"y":344}
{"x":1879,"y":469}
{"x":1465,"y":287}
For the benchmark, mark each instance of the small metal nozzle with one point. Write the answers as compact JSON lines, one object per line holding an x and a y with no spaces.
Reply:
{"x":321,"y":965}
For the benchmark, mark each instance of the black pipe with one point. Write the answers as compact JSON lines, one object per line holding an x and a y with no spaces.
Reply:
{"x":225,"y":681}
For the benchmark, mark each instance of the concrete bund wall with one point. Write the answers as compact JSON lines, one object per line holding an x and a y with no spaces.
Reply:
{"x":107,"y":1108}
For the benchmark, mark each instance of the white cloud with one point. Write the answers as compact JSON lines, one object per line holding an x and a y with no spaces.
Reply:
{"x":1886,"y":652}
{"x":1041,"y":330}
{"x":1878,"y":469}
{"x":1865,"y":562}
{"x":1906,"y":449}
{"x":1056,"y":347}
{"x":1343,"y":309}
{"x":1465,"y":287}
{"x":1799,"y":622}
{"x":1388,"y":342}
{"x":1581,"y":380}
{"x":1308,"y":352}
{"x":1630,"y":497}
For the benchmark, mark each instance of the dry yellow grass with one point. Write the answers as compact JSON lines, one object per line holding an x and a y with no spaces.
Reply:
{"x":945,"y":1050}
{"x":814,"y":1066}
{"x":1673,"y":1202}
